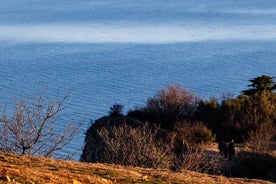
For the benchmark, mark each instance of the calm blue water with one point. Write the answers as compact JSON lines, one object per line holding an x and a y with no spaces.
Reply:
{"x":118,"y":51}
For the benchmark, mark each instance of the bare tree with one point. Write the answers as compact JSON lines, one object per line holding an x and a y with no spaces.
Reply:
{"x":170,"y":105}
{"x":32,"y":128}
{"x":175,"y":100}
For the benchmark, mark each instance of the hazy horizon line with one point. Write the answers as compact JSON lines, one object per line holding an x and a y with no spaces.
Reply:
{"x":96,"y":33}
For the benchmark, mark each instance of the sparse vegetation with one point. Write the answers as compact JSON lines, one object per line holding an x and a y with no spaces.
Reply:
{"x":31,"y":128}
{"x":135,"y":146}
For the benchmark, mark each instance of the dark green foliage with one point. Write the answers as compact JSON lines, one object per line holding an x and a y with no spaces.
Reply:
{"x":201,"y":135}
{"x":152,"y":117}
{"x":116,"y":110}
{"x":260,"y":84}
{"x":235,"y":125}
{"x":235,"y":118}
{"x":246,"y":113}
{"x":210,"y":113}
{"x":195,"y":133}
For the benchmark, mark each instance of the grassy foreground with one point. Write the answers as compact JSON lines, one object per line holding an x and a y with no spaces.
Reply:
{"x":31,"y":169}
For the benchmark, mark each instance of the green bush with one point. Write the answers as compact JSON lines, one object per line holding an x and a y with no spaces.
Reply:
{"x":193,"y":133}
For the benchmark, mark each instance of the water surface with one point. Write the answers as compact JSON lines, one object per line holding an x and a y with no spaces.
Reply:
{"x":123,"y":52}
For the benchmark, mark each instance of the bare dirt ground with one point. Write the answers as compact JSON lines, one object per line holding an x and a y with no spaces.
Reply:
{"x":31,"y":169}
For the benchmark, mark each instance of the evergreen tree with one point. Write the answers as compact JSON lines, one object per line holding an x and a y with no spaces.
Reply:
{"x":260,"y":84}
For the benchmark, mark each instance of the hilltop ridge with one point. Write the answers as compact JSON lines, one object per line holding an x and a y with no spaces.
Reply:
{"x":32,"y":169}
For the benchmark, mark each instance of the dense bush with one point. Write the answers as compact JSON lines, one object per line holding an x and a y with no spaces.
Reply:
{"x":252,"y":165}
{"x":135,"y":146}
{"x":237,"y":118}
{"x":127,"y":141}
{"x":193,"y":133}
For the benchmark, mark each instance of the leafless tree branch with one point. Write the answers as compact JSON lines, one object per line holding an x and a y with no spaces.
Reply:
{"x":32,"y":128}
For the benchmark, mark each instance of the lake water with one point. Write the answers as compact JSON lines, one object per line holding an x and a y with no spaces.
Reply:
{"x":119,"y":51}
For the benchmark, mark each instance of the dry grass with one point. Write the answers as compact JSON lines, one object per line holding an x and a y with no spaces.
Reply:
{"x":30,"y":169}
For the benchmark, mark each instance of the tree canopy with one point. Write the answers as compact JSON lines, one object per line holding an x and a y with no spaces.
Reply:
{"x":260,"y":84}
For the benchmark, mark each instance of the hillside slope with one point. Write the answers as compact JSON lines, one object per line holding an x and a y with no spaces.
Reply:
{"x":31,"y":169}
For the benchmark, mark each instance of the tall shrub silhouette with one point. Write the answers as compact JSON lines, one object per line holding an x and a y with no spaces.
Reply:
{"x":168,"y":106}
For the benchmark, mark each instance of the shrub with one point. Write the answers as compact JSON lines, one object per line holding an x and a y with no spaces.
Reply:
{"x":190,"y":152}
{"x":252,"y":165}
{"x":167,"y":106}
{"x":193,"y":133}
{"x":260,"y":140}
{"x":135,"y":146}
{"x":198,"y":160}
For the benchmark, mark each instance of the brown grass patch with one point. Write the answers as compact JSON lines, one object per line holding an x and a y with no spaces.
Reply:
{"x":38,"y":170}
